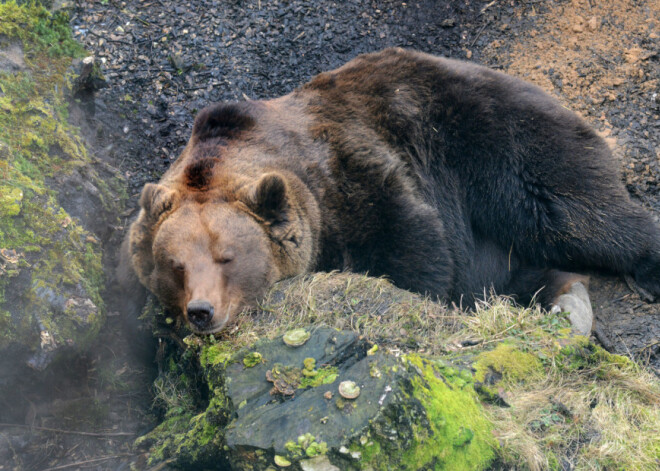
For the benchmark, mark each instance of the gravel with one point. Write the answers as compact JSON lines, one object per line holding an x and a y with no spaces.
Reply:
{"x":165,"y":60}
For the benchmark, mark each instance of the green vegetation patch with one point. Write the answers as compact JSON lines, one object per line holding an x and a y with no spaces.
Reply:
{"x":38,"y":146}
{"x":313,"y":378}
{"x":457,"y":423}
{"x":193,"y":415}
{"x":513,"y":364}
{"x":306,"y":446}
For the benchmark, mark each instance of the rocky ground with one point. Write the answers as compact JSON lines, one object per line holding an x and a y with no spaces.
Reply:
{"x":164,"y":60}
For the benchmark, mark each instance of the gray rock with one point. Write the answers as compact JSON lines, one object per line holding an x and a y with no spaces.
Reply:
{"x":12,"y":58}
{"x":272,"y":406}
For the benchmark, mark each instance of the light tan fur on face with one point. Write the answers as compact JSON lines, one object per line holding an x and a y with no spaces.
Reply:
{"x":204,"y":248}
{"x":215,"y":253}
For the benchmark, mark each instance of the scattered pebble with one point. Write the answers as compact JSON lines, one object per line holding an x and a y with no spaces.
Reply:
{"x":296,"y":337}
{"x":349,"y":390}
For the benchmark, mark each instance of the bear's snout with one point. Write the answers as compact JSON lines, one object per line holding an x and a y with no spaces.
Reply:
{"x":200,"y":313}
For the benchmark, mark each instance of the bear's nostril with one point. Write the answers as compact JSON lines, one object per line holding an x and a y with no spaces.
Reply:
{"x":200,"y":313}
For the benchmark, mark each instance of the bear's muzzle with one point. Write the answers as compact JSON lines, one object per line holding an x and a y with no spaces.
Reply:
{"x":200,"y":313}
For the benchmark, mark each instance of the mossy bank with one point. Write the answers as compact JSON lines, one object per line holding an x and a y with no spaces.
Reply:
{"x":505,"y":387}
{"x":51,"y":275}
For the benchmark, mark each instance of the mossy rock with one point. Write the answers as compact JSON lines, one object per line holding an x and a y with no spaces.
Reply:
{"x":54,"y":198}
{"x":409,"y":414}
{"x":502,"y":387}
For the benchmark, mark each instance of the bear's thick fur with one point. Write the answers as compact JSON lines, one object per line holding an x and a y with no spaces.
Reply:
{"x":447,"y":177}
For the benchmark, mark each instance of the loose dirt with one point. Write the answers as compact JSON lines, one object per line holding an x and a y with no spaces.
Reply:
{"x":601,"y":59}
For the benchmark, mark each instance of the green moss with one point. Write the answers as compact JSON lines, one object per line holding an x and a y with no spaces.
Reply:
{"x":215,"y":355}
{"x":193,"y":428}
{"x":188,"y":438}
{"x":458,"y":436}
{"x":453,"y":432}
{"x":253,"y":359}
{"x":10,"y":201}
{"x":306,"y":446}
{"x":513,"y":364}
{"x":312,"y":378}
{"x":370,"y":450}
{"x":316,"y":449}
{"x":163,"y":438}
{"x":580,"y":354}
{"x":44,"y":33}
{"x":36,"y":144}
{"x":325,"y":375}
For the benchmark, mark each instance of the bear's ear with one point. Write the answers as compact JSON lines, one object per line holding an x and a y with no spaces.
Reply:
{"x":224,"y":120}
{"x":269,"y":199}
{"x":157,"y":199}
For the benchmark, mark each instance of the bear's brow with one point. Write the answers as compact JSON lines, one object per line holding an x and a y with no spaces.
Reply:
{"x":199,"y":173}
{"x":205,"y":155}
{"x":223,"y":120}
{"x":209,"y":148}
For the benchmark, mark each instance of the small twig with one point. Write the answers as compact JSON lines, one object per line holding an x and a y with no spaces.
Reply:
{"x":604,"y":340}
{"x":72,"y":432}
{"x":478,"y":34}
{"x":109,"y":40}
{"x":483,"y":10}
{"x":144,"y":22}
{"x":95,"y":460}
{"x":648,"y":347}
{"x":499,"y":336}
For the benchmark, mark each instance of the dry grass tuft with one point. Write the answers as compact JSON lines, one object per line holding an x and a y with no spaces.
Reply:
{"x":390,"y":316}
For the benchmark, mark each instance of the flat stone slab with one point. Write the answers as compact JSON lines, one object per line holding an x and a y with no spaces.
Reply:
{"x":270,"y":420}
{"x":278,"y":422}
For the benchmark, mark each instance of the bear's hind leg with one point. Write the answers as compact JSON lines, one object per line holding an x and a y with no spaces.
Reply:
{"x":557,"y":291}
{"x":618,"y":237}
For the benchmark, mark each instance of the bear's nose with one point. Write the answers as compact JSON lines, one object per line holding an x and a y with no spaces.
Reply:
{"x":200,"y":313}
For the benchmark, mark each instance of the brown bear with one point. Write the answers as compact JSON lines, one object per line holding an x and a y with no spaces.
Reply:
{"x":447,"y":177}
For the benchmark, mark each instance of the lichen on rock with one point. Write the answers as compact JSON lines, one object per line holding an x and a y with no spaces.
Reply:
{"x":406,"y":408}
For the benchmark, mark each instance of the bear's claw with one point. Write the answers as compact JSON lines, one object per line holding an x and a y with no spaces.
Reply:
{"x":636,"y":288}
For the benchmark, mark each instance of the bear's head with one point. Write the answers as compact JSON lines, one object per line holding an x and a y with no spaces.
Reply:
{"x":208,"y":255}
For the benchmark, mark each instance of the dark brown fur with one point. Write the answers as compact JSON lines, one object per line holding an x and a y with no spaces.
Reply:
{"x":447,"y":177}
{"x":199,"y":173}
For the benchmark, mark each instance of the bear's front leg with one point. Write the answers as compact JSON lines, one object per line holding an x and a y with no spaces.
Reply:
{"x":409,"y":245}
